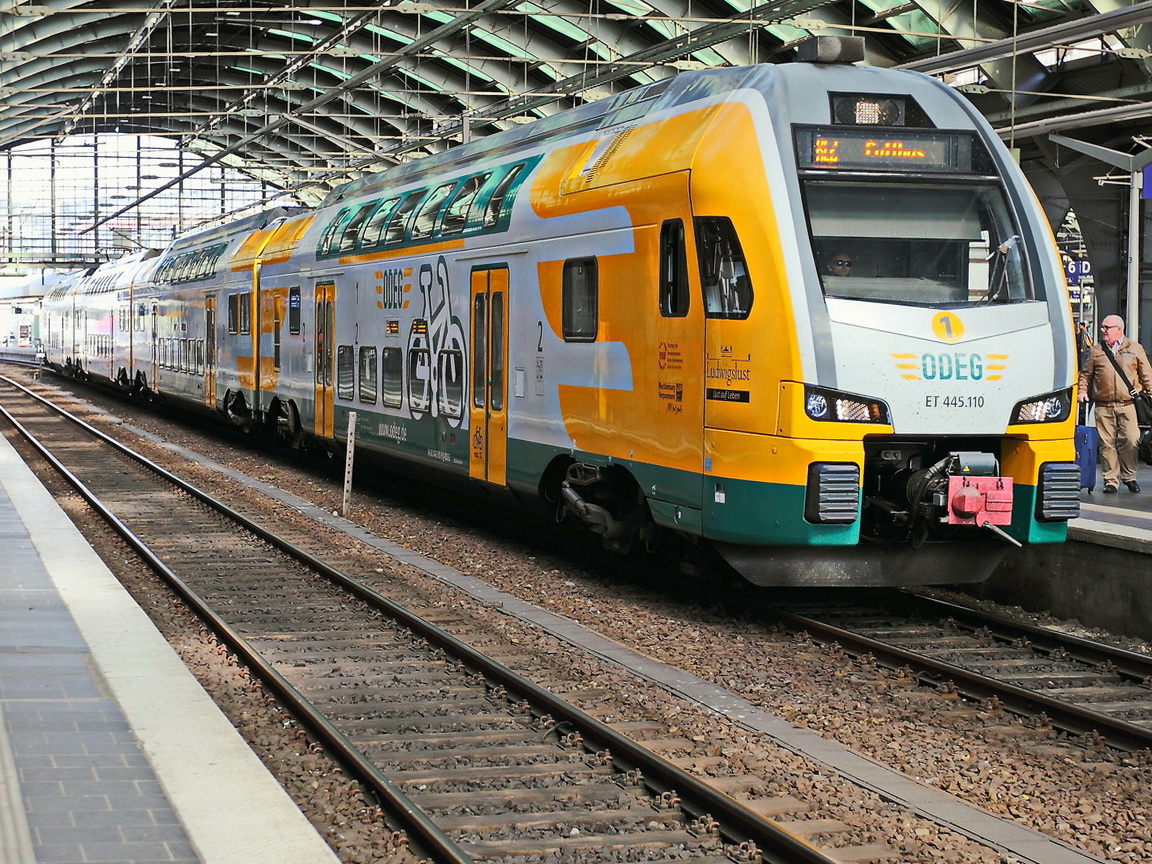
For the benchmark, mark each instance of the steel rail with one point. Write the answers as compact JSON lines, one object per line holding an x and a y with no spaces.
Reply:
{"x":411,"y":817}
{"x":1130,"y":664}
{"x":1019,"y":700}
{"x":740,"y":824}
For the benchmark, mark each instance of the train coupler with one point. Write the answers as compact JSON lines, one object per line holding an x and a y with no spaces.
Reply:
{"x":976,"y":500}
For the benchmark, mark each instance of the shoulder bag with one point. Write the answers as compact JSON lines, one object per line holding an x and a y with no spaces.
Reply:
{"x":1140,"y":399}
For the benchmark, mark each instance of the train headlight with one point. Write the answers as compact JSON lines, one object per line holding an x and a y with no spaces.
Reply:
{"x":820,"y":403}
{"x":816,"y":406}
{"x":1048,"y":408}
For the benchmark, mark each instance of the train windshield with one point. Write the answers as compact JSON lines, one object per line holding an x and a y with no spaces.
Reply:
{"x":924,"y":244}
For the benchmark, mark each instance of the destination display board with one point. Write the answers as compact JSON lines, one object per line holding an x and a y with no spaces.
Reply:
{"x":889,"y":149}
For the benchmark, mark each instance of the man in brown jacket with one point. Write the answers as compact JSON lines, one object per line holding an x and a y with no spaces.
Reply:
{"x":1115,"y":413}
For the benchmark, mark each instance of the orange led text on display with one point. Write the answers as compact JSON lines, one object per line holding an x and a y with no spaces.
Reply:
{"x":827,"y":150}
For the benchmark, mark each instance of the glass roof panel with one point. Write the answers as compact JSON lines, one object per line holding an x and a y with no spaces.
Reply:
{"x":289,"y":34}
{"x":326,"y":16}
{"x":918,"y":28}
{"x":634,"y":7}
{"x":1044,"y":11}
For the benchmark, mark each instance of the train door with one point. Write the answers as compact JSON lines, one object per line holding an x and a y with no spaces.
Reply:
{"x":731,"y":346}
{"x":325,"y":337}
{"x":269,"y":318}
{"x":72,"y":348}
{"x":154,"y":379}
{"x":488,"y":418}
{"x":210,"y":352}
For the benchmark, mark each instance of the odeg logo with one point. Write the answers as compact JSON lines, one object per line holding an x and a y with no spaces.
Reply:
{"x":951,"y":367}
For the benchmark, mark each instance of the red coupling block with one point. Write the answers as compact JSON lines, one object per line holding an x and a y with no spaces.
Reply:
{"x":977,"y":500}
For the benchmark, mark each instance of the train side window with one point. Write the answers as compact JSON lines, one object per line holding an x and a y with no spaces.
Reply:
{"x":425,"y":222}
{"x":674,"y":294}
{"x":294,"y":310}
{"x":188,"y":270}
{"x":345,"y":372}
{"x":451,"y":396}
{"x":245,"y":303}
{"x":494,"y":209}
{"x":200,"y":269}
{"x":723,"y":272}
{"x":580,"y":300}
{"x":394,"y":233}
{"x":276,"y":340}
{"x":496,"y":363}
{"x":352,"y":227}
{"x":331,"y":231}
{"x":456,"y":213}
{"x":180,"y":268}
{"x":368,"y":379}
{"x":392,"y":377}
{"x":370,"y":237}
{"x":479,"y":351}
{"x":233,"y":313}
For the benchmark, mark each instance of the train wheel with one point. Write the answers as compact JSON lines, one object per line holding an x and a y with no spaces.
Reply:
{"x":237,"y":410}
{"x":287,"y":423}
{"x":609,"y":503}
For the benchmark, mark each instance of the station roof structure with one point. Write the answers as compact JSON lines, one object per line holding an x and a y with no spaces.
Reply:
{"x":307,"y":94}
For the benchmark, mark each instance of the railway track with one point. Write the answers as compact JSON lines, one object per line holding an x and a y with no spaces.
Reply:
{"x":471,"y":760}
{"x":1081,"y":686}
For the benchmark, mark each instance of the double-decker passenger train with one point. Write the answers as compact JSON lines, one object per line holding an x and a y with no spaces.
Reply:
{"x":808,"y":316}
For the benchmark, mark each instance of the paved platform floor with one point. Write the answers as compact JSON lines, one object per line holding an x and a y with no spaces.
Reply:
{"x":109,"y":749}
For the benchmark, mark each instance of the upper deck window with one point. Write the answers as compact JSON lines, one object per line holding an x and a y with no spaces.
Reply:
{"x":495,"y":209}
{"x":925,"y":244}
{"x":471,"y":204}
{"x":333,"y":230}
{"x":456,"y":213}
{"x":375,"y":226}
{"x":351,"y":231}
{"x":397,"y":225}
{"x":425,"y":221}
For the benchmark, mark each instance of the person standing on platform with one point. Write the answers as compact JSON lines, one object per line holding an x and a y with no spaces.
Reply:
{"x":1083,"y":343}
{"x":1115,"y":412}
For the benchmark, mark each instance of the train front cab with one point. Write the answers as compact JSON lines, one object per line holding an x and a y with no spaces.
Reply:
{"x":835,"y":453}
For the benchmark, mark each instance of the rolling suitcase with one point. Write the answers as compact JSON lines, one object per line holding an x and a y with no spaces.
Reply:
{"x":1087,"y":449}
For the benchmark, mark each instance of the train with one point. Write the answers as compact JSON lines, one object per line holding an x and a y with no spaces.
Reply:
{"x":806,"y":320}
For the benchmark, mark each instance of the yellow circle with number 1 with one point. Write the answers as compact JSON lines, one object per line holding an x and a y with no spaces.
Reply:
{"x":947,"y":327}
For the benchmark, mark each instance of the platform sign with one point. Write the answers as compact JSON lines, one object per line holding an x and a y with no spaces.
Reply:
{"x":1076,"y":270}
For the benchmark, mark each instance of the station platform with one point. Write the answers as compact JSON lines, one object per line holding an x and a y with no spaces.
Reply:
{"x":110,"y":750}
{"x":1124,"y":515}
